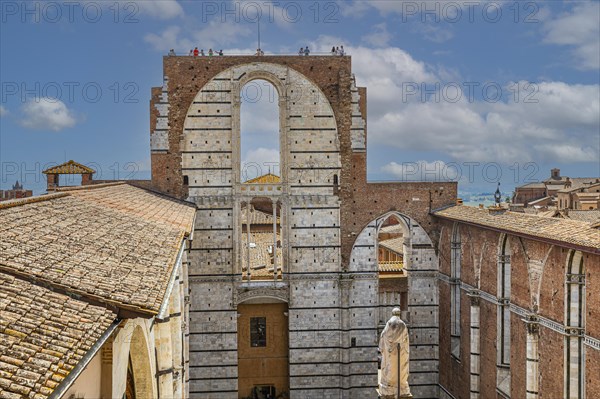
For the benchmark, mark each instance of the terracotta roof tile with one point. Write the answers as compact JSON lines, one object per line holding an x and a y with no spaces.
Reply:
{"x":116,"y":244}
{"x":69,"y":168}
{"x":574,"y":232}
{"x":36,"y":341}
{"x":590,"y":216}
{"x":394,"y":244}
{"x":269,"y":178}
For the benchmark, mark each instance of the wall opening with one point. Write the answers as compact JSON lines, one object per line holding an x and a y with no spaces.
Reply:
{"x":262,"y":255}
{"x":393,"y":282}
{"x":130,"y":383}
{"x":141,"y":378}
{"x":259,"y":130}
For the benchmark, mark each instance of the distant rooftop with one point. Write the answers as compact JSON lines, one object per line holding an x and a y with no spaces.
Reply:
{"x":269,"y":178}
{"x":69,"y":168}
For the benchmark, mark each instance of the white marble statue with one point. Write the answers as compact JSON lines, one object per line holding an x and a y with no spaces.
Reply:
{"x":394,"y":363}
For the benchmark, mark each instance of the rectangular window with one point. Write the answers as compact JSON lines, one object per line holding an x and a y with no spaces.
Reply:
{"x":258,"y":332}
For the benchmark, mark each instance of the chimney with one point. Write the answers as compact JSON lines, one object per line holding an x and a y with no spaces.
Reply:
{"x":568,"y":183}
{"x":86,"y":179}
{"x":52,"y":179}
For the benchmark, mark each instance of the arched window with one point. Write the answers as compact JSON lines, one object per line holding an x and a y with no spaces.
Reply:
{"x":575,"y":327}
{"x":455,"y":266}
{"x":259,"y":130}
{"x":503,"y":328}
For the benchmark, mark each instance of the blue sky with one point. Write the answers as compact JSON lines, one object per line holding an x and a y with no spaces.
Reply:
{"x":455,"y":89}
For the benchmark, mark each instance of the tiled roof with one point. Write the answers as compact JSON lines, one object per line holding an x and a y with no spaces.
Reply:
{"x":392,"y":228}
{"x":43,"y":335}
{"x":114,"y":244}
{"x":396,"y":267}
{"x":394,"y":244}
{"x":260,"y":258}
{"x":258,"y":217}
{"x":590,"y":216}
{"x":533,"y":185}
{"x":69,"y":168}
{"x":576,"y":233}
{"x":578,"y":183}
{"x":269,"y":178}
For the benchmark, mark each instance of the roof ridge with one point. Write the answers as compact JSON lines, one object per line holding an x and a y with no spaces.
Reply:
{"x":31,"y":200}
{"x":163,"y":195}
{"x":76,"y":168}
{"x":89,"y":186}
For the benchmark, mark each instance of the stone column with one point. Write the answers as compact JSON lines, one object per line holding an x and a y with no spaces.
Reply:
{"x":274,"y":239}
{"x":533,"y":357}
{"x":164,"y":358}
{"x":185,"y":328}
{"x":177,"y":341}
{"x":475,"y":344}
{"x":248,"y":208}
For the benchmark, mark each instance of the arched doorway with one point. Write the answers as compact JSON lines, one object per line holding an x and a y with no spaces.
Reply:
{"x":139,"y":375}
{"x":420,"y":264}
{"x":130,"y":384}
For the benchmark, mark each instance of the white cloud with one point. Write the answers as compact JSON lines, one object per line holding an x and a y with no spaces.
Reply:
{"x":408,"y":8}
{"x":546,"y":121}
{"x":434,"y":32}
{"x":580,"y":30}
{"x":260,"y":161}
{"x":3,"y":111}
{"x":215,"y":35}
{"x":163,"y":9}
{"x":353,"y":8}
{"x":260,"y":110}
{"x":169,"y":39}
{"x":47,"y":114}
{"x":563,"y":126}
{"x":380,"y":37}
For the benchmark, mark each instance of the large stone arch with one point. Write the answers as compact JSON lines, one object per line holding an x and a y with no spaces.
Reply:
{"x":307,"y":121}
{"x":141,"y":364}
{"x":310,"y":154}
{"x":422,"y":266}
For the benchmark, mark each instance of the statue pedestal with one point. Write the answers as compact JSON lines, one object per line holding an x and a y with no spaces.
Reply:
{"x":392,"y":396}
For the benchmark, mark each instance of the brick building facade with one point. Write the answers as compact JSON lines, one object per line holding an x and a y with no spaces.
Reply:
{"x":17,"y":192}
{"x":519,"y":300}
{"x":329,"y":215}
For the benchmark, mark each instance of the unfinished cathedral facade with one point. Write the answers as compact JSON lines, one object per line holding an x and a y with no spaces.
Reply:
{"x":284,"y":276}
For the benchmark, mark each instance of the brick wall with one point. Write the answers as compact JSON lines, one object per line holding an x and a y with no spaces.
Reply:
{"x":536,"y":267}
